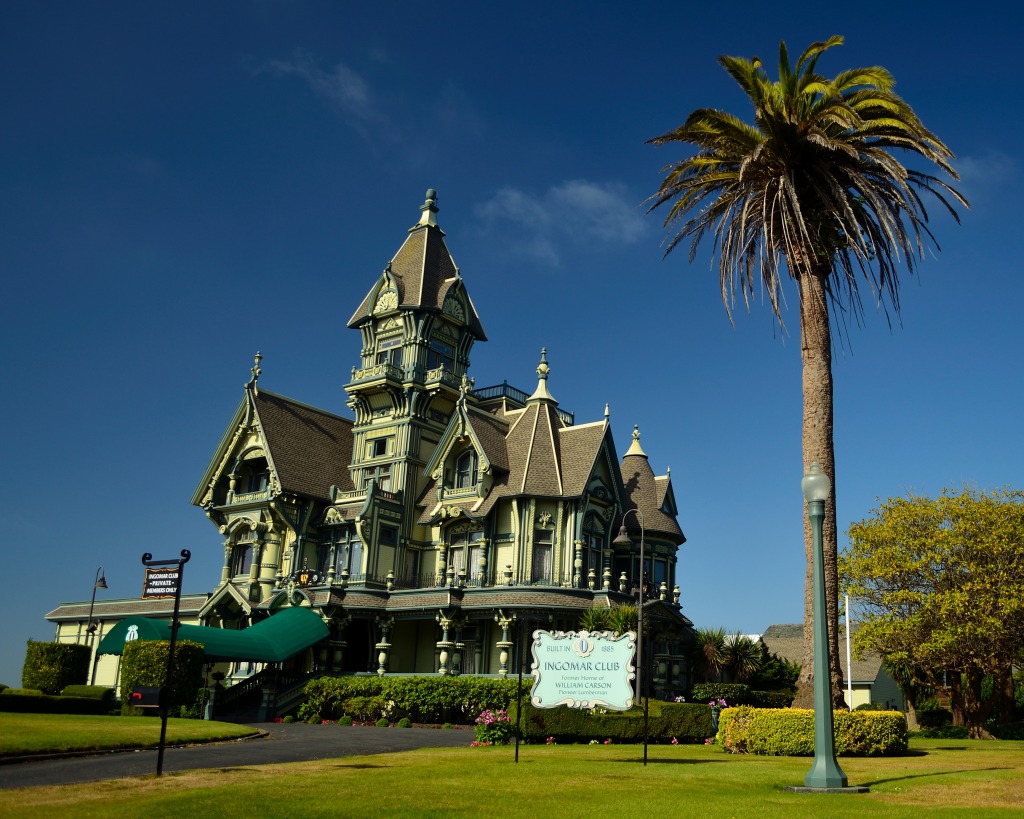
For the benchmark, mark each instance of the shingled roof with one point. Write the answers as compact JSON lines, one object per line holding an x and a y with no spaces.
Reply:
{"x":310,"y":448}
{"x":786,"y":640}
{"x":424,"y":273}
{"x":648,"y":493}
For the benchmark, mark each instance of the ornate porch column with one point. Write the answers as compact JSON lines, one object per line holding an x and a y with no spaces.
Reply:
{"x":504,"y":644}
{"x":444,"y":644}
{"x":384,"y":646}
{"x":577,"y":565}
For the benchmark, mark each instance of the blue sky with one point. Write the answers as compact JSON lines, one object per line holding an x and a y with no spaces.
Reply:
{"x":183,"y":184}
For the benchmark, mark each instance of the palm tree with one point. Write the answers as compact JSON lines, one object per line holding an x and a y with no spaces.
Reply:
{"x":743,"y":657}
{"x":709,"y":657}
{"x":811,"y":188}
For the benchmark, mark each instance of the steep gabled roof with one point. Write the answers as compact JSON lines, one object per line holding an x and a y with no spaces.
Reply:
{"x":311,"y":449}
{"x":647,"y":493}
{"x":308,"y":449}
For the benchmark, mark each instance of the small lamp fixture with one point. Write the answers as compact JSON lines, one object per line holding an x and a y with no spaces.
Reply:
{"x":816,"y":484}
{"x":623,"y":538}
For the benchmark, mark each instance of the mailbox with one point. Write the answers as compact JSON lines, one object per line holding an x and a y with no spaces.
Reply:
{"x":153,"y":697}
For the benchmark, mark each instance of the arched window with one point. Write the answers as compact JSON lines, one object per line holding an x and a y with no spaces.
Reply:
{"x":241,"y":559}
{"x":466,"y":470}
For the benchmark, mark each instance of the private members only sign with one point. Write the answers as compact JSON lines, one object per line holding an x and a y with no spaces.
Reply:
{"x":583,"y":669}
{"x":162,"y":582}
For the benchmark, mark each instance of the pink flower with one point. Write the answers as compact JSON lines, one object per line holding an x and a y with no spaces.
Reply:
{"x":675,"y":741}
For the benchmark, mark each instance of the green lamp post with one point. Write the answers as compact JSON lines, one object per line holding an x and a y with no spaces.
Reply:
{"x":825,"y":772}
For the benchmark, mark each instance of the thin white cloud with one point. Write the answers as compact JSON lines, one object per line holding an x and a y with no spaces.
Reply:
{"x":982,"y":176}
{"x":567,"y":216}
{"x":346,"y":91}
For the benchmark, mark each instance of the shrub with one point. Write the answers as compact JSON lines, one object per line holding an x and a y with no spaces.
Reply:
{"x":95,"y":692}
{"x":382,"y":723}
{"x":687,"y":722}
{"x":790,"y":732}
{"x":870,"y":706}
{"x":932,"y":715}
{"x":430,"y":699}
{"x":1009,"y":730}
{"x":404,"y":722}
{"x":494,"y":728}
{"x":365,"y":709}
{"x":50,"y":667}
{"x":741,"y":694}
{"x":945,"y":732}
{"x":144,"y":664}
{"x":730,"y":692}
{"x":35,"y":702}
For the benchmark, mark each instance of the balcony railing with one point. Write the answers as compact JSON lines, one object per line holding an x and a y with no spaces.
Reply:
{"x":385,"y":370}
{"x":248,"y":497}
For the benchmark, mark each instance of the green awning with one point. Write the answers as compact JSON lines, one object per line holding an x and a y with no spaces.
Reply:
{"x":273,"y":640}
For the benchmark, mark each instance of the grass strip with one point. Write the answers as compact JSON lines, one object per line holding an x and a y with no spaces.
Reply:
{"x":22,"y":734}
{"x":941,"y":778}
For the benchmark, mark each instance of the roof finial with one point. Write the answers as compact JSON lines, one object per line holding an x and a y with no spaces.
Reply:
{"x":542,"y":378}
{"x":255,"y":373}
{"x":607,"y":412}
{"x":634,"y":448}
{"x":429,"y":208}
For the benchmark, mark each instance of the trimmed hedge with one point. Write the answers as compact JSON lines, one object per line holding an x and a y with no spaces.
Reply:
{"x":26,"y":703}
{"x":51,"y":667}
{"x":433,"y":699}
{"x":740,"y":694}
{"x":790,"y":732}
{"x":93,"y":692}
{"x":685,"y":722}
{"x":144,"y":664}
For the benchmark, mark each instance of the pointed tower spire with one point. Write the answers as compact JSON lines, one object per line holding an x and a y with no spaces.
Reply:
{"x":429,"y":208}
{"x":634,"y":448}
{"x":541,"y":393}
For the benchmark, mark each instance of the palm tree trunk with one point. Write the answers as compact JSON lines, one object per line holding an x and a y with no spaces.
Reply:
{"x":816,"y":355}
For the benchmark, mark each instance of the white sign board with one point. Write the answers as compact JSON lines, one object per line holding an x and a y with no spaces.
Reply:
{"x":583,"y":669}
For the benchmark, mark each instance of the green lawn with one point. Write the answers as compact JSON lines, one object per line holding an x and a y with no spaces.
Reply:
{"x":45,"y":733}
{"x":940,"y":778}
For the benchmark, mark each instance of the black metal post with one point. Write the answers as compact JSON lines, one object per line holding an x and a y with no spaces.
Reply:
{"x":147,"y":560}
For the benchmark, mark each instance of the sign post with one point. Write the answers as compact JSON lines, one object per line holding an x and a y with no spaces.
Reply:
{"x":163,"y":579}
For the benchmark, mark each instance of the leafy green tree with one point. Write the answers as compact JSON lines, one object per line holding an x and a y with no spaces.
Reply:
{"x":775,"y":673}
{"x":940,"y":584}
{"x":813,"y":188}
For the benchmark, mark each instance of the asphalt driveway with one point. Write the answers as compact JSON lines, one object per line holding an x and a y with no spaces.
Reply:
{"x":295,"y":742}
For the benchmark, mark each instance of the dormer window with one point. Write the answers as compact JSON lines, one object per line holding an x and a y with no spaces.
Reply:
{"x":466,"y":470}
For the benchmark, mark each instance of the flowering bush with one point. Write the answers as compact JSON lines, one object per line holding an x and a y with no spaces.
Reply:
{"x":718,"y":704}
{"x":493,"y":728}
{"x":680,"y":698}
{"x":550,"y":741}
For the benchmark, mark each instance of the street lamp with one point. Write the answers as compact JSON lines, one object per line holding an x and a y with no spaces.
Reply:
{"x":623,"y":540}
{"x":825,"y":772}
{"x":99,"y":583}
